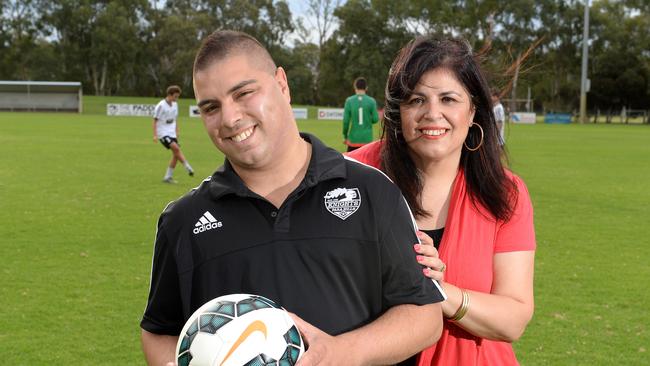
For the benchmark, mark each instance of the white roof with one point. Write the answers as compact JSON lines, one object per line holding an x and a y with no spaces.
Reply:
{"x":39,"y":86}
{"x":45,"y":83}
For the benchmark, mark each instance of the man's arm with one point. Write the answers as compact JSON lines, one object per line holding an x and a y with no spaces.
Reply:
{"x":347,"y":113}
{"x":398,"y":334}
{"x":156,"y":117}
{"x":158,"y":349}
{"x":375,"y":115}
{"x":163,"y":315}
{"x":176,"y":121}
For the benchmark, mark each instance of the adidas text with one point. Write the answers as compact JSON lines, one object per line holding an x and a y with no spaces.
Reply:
{"x":206,"y":227}
{"x":206,"y":222}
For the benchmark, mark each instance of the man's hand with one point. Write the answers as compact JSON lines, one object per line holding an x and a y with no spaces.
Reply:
{"x":155,"y":139}
{"x":324,"y":349}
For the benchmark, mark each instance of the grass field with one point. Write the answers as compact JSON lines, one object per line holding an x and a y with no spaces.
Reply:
{"x":80,"y":196}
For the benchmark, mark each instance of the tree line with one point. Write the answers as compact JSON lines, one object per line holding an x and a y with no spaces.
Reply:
{"x":138,"y":47}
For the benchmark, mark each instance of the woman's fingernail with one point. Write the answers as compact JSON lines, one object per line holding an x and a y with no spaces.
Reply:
{"x":419,"y":258}
{"x":416,"y":247}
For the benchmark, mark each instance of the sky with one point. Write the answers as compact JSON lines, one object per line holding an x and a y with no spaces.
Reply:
{"x":299,"y":8}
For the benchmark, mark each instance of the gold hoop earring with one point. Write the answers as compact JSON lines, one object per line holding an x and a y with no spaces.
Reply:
{"x":480,"y":143}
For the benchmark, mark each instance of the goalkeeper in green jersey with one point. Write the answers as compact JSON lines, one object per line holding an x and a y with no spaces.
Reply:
{"x":359,"y":115}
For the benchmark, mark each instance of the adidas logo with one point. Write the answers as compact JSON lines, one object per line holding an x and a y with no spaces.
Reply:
{"x":206,"y":222}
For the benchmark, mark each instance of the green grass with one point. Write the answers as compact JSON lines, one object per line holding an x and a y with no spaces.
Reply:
{"x":80,"y":196}
{"x":589,"y":185}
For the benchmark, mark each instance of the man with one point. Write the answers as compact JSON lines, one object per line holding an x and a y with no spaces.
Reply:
{"x":499,"y":116}
{"x":165,"y":130}
{"x":287,"y":218}
{"x":359,"y":114}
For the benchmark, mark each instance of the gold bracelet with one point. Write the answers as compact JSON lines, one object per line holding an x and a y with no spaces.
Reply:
{"x":462,"y":309}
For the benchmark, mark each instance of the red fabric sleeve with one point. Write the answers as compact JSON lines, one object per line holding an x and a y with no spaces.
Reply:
{"x":518,"y":233}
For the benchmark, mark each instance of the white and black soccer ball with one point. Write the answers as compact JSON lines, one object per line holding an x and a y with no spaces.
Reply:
{"x":239,"y":330}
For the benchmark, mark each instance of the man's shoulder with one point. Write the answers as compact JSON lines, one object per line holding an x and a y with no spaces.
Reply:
{"x":369,"y":102}
{"x":197,"y":196}
{"x":368,"y":175}
{"x":350,"y":99}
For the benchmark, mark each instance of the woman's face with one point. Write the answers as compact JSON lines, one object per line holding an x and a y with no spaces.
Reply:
{"x":436,"y":117}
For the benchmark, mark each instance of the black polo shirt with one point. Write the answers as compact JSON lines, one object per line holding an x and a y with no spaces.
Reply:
{"x":338,"y":252}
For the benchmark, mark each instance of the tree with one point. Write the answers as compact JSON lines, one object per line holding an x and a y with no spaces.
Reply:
{"x":321,"y":18}
{"x":178,"y":29}
{"x":5,"y":39}
{"x":620,"y":71}
{"x":300,"y":63}
{"x":19,"y":31}
{"x":139,"y":47}
{"x":98,"y":39}
{"x":365,"y":43}
{"x":267,"y":20}
{"x":171,"y":41}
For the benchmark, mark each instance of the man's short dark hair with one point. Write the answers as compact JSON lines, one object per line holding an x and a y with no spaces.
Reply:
{"x":223,"y":43}
{"x":360,"y":83}
{"x":173,"y":89}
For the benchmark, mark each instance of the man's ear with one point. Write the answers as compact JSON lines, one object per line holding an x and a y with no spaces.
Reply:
{"x":281,"y":78}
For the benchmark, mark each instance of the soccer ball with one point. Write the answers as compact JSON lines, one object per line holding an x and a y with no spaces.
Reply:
{"x":239,"y":330}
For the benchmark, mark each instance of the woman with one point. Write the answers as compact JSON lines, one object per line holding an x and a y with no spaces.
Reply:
{"x":440,"y":146}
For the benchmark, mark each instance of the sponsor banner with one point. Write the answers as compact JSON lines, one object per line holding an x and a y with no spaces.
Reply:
{"x":299,"y":113}
{"x":194,"y":111}
{"x":557,"y":118}
{"x":141,"y":110}
{"x":330,"y":113}
{"x":523,"y":117}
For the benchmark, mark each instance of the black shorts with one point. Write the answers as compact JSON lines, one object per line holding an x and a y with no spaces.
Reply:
{"x":167,"y":141}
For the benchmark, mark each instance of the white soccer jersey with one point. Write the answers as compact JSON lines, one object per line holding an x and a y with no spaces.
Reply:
{"x":165,"y":116}
{"x":500,"y":116}
{"x":499,"y":113}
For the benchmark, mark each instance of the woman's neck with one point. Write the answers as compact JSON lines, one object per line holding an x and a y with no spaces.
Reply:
{"x":437,"y":183}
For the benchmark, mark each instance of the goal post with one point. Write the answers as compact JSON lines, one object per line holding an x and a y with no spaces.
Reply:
{"x":58,"y":96}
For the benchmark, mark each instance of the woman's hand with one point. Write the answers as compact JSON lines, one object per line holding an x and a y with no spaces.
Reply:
{"x":428,"y":257}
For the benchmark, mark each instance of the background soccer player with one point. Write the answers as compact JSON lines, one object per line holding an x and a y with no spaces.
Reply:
{"x":165,"y":130}
{"x":359,"y":114}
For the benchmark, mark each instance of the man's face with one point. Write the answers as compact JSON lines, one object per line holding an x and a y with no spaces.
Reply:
{"x":172,"y":97}
{"x":245,"y":109}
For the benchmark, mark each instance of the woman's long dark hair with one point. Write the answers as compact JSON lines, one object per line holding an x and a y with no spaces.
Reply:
{"x":485,"y":177}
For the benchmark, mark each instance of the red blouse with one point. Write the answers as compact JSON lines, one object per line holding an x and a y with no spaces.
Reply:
{"x":468,"y":245}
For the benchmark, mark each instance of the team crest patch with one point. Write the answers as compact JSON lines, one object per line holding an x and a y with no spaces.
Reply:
{"x":343,"y":202}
